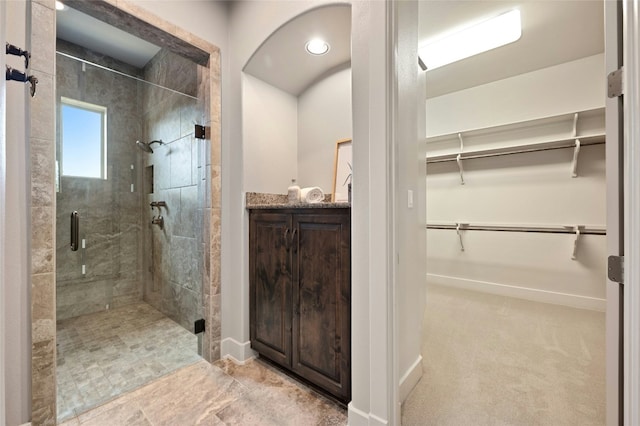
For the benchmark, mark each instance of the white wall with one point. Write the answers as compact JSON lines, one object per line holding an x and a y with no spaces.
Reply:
{"x":409,"y":220}
{"x":287,"y":137}
{"x":250,"y":23}
{"x":533,"y":188}
{"x":270,"y":122}
{"x":15,"y":262}
{"x":573,"y":86}
{"x":206,"y":19}
{"x":388,"y":161}
{"x":372,"y":226}
{"x":324,"y":117}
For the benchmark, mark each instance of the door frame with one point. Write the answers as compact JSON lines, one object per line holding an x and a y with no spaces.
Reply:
{"x":3,"y":184}
{"x":614,"y":220}
{"x":631,"y":183}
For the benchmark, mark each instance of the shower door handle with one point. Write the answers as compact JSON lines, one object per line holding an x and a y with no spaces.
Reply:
{"x":75,"y":230}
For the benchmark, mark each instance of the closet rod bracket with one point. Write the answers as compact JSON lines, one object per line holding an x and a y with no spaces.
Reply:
{"x":574,"y":162}
{"x":577,"y":229}
{"x":459,"y":161}
{"x":458,"y":225}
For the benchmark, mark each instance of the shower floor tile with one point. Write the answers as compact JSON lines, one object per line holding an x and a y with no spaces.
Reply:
{"x":101,"y":356}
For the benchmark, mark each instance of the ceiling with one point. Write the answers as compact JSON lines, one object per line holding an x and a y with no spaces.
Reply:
{"x":282,"y":59}
{"x":553,"y":32}
{"x":86,"y":31}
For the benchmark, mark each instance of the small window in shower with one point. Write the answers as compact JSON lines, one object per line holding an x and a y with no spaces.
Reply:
{"x":84,"y":139}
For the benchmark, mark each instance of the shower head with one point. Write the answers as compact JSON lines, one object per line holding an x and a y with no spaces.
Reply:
{"x":146,"y":146}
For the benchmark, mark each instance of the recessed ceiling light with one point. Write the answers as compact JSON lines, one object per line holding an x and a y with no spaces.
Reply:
{"x":487,"y":35}
{"x":317,"y":46}
{"x":60,"y":5}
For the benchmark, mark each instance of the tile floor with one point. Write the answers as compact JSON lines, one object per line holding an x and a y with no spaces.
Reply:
{"x":103,"y":355}
{"x":220,"y":394}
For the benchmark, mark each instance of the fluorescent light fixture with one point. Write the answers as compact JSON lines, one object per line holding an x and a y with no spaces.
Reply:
{"x":487,"y":35}
{"x":60,"y":5}
{"x":317,"y":46}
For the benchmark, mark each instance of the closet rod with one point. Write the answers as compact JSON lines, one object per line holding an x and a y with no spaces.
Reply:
{"x":470,"y":156}
{"x":506,"y":228}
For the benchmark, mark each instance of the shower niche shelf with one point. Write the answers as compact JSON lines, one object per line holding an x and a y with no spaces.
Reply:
{"x":148,"y":179}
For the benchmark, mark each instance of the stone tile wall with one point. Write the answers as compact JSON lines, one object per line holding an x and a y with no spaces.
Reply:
{"x":42,"y":156}
{"x":42,"y":150}
{"x":110,"y":213}
{"x":209,"y":83}
{"x":175,"y":276}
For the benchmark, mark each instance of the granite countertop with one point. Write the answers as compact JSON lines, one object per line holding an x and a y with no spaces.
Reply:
{"x":299,"y":206}
{"x":260,"y":201}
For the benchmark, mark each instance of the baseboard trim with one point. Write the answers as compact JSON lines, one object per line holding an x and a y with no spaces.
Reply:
{"x":236,"y":351}
{"x":572,"y":300}
{"x":410,"y":378}
{"x":360,"y":418}
{"x":377,"y":421}
{"x":357,"y":417}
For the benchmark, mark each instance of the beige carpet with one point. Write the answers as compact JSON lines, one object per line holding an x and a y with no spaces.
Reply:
{"x":492,"y":360}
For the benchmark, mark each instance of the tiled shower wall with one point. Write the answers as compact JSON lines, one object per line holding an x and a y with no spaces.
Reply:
{"x":110,"y":212}
{"x":42,"y":151}
{"x":175,"y":173}
{"x":42,"y":164}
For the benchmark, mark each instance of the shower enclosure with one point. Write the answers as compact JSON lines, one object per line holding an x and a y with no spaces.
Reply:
{"x":128,"y":161}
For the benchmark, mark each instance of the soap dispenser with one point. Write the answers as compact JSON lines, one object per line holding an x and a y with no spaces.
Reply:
{"x":293,"y":193}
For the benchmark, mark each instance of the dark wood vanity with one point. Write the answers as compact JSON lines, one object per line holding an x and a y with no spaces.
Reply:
{"x":300,"y":292}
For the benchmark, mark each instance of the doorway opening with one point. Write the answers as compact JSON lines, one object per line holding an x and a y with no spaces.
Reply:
{"x":514,"y":326}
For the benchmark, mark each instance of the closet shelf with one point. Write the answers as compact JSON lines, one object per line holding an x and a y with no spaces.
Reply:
{"x":566,"y":122}
{"x":594,"y":139}
{"x":545,"y":229}
{"x":569,"y":130}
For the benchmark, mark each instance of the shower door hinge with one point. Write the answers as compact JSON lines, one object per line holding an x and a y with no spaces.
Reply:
{"x":198,"y":326}
{"x":200,"y":132}
{"x":615,"y":269}
{"x":614,"y":83}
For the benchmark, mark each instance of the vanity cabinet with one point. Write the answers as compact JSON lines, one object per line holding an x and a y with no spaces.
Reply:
{"x":300,"y":293}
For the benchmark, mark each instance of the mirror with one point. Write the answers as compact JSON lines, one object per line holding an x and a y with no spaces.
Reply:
{"x":296,"y":105}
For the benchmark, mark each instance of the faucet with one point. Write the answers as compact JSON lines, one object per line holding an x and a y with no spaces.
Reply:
{"x":157,"y":205}
{"x":158,"y":220}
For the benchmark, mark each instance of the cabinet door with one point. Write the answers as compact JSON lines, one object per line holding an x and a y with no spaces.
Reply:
{"x":270,"y":285}
{"x":321,"y":300}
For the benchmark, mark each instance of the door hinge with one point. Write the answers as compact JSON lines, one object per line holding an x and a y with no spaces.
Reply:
{"x":615,"y":269}
{"x":198,"y":326}
{"x":614,"y":83}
